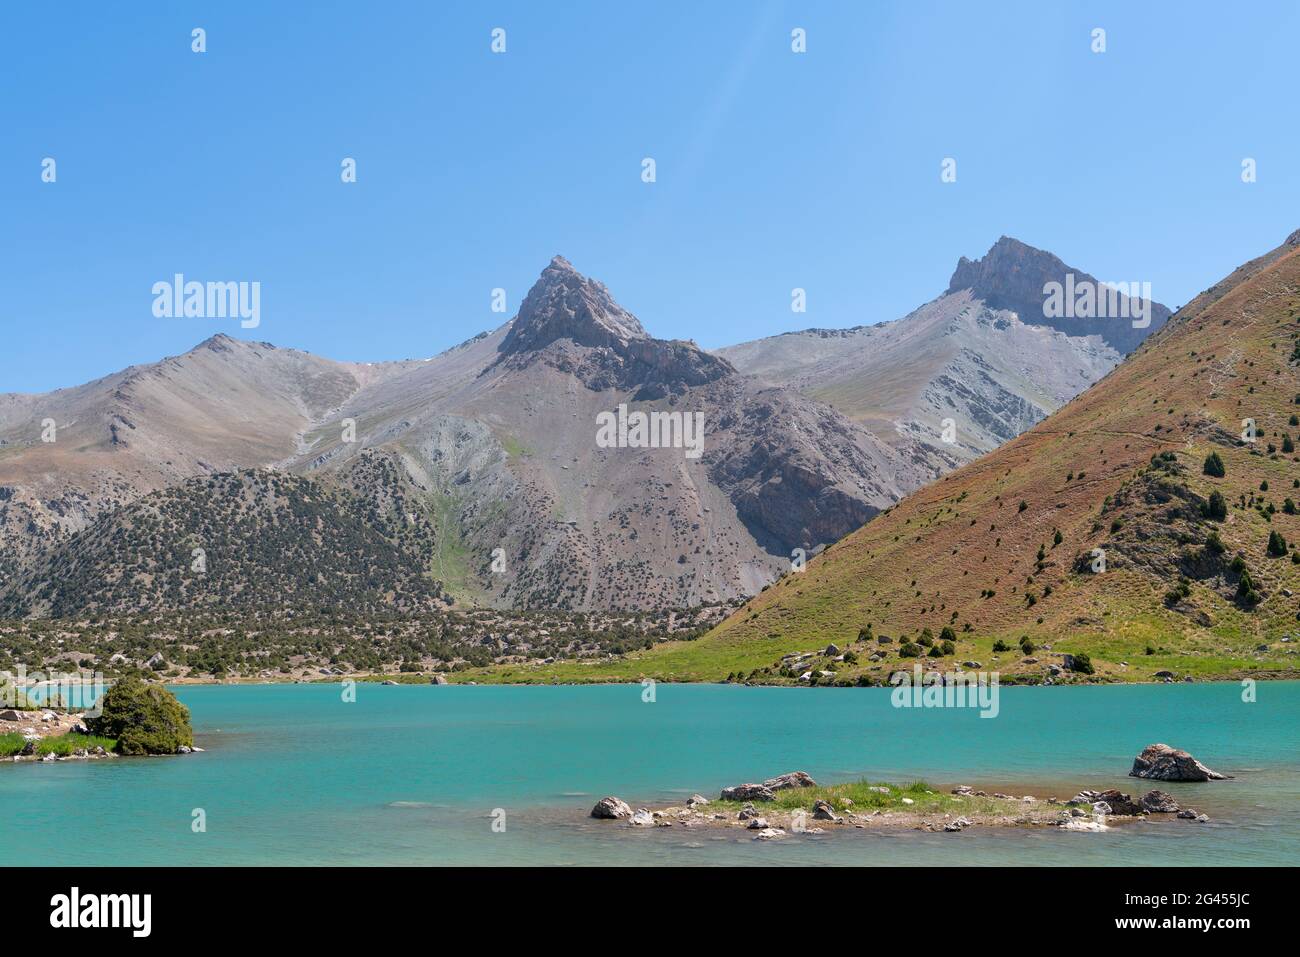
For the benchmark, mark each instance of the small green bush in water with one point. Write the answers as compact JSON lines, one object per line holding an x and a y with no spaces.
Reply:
{"x":144,"y":718}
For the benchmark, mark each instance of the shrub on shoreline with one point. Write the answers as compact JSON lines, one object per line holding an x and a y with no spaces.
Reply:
{"x":144,"y":718}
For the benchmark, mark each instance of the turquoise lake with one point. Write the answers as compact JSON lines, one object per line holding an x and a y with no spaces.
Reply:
{"x":293,"y":774}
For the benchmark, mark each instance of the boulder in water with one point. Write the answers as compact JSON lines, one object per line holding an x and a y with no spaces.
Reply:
{"x":611,"y":808}
{"x":1160,"y":762}
{"x":1160,"y":802}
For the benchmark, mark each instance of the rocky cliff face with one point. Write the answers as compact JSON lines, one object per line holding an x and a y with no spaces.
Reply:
{"x":1011,"y":276}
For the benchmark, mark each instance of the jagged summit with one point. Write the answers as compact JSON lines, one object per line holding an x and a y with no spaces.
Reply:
{"x":573,"y":323}
{"x":564,"y":304}
{"x":1005,"y":269}
{"x":1011,"y":276}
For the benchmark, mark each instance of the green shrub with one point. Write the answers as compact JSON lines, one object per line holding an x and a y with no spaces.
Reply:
{"x":1082,"y":663}
{"x":1214,"y":466}
{"x":1217,"y":507}
{"x":909,"y":650}
{"x":1001,"y":645}
{"x":1246,"y":592}
{"x":1276,"y":545}
{"x":144,"y":718}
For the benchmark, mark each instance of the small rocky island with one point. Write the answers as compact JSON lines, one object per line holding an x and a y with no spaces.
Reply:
{"x":795,"y":803}
{"x":134,"y":718}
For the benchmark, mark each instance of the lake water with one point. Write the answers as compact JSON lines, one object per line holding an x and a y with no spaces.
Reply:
{"x":411,"y":775}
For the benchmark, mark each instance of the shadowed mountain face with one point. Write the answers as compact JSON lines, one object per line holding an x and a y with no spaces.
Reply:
{"x":963,"y":373}
{"x":1154,"y":515}
{"x":491,"y":451}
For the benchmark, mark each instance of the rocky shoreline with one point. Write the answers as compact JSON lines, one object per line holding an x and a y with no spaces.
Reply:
{"x":35,"y":726}
{"x":794,"y":803}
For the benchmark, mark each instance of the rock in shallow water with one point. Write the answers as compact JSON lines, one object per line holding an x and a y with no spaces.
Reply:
{"x":1160,"y":802}
{"x":1160,"y":762}
{"x":611,"y":808}
{"x":1119,"y":803}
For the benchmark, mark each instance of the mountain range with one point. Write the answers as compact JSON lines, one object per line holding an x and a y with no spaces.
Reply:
{"x":1149,"y":528}
{"x":480,"y":472}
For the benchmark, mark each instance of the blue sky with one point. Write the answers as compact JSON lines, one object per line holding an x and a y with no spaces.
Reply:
{"x":774,"y":169}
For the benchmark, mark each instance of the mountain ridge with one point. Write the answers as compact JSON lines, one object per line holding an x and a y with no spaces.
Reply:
{"x":495,"y":442}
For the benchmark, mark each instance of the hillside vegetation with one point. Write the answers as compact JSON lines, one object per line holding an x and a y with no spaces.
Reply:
{"x":237,"y":540}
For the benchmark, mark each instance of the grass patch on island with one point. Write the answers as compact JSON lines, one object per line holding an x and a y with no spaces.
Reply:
{"x":63,"y":745}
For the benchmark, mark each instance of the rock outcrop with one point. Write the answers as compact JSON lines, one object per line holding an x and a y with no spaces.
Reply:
{"x":748,"y":792}
{"x":791,"y":779}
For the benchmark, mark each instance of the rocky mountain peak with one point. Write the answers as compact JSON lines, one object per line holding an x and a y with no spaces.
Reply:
{"x":564,"y":304}
{"x":216,"y":343}
{"x":1007,"y":272}
{"x":573,"y":323}
{"x":1011,"y":276}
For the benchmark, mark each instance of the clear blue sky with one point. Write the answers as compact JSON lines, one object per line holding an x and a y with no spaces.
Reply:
{"x":775,"y":170}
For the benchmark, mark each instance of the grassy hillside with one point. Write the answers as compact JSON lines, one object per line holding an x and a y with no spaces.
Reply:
{"x":1201,"y":570}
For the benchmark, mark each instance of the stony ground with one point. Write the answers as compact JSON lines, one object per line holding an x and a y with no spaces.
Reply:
{"x":814,"y":809}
